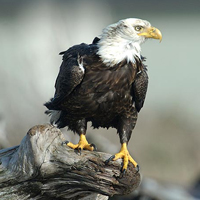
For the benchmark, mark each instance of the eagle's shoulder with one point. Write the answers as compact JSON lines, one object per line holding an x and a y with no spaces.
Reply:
{"x":82,"y":49}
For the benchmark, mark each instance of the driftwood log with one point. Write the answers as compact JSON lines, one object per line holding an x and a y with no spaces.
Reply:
{"x":42,"y":168}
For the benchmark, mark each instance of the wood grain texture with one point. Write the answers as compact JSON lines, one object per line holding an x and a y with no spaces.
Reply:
{"x":42,"y":168}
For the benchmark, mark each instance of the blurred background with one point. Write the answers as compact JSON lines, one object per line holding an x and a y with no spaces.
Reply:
{"x":166,"y":140}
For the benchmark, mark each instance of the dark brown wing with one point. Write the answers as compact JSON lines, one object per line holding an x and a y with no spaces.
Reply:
{"x":140,"y":87}
{"x":71,"y":73}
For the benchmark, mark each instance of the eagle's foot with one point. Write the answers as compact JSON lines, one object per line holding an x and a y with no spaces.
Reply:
{"x":82,"y":144}
{"x":124,"y":154}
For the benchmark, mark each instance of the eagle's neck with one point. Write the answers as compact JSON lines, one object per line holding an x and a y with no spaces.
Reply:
{"x":116,"y":49}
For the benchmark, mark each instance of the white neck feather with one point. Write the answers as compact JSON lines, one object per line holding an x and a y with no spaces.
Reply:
{"x":116,"y":49}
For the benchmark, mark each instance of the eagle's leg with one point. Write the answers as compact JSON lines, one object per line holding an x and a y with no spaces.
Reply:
{"x":124,"y":154}
{"x":82,"y":144}
{"x":80,"y":127}
{"x":125,"y":127}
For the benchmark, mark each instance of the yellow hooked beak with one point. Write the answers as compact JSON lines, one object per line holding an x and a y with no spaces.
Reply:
{"x":151,"y":32}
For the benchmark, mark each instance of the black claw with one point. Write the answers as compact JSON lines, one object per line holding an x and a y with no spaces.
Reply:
{"x":79,"y":150}
{"x":137,"y":168}
{"x":65,"y":142}
{"x":109,"y":159}
{"x":123,"y":172}
{"x":94,"y":146}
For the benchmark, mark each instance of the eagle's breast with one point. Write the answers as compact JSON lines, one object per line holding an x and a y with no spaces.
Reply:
{"x":105,"y":89}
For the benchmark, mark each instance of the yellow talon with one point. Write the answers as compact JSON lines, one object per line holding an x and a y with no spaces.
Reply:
{"x":126,"y":157}
{"x":82,"y":144}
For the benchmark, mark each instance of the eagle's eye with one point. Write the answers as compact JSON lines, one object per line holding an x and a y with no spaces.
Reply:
{"x":138,"y":28}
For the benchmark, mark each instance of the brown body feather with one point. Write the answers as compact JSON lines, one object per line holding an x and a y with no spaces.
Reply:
{"x":106,"y":96}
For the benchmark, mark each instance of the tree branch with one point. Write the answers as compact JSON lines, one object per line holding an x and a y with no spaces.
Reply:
{"x":42,"y":168}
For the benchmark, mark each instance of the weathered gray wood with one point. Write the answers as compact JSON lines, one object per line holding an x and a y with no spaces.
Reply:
{"x":42,"y":168}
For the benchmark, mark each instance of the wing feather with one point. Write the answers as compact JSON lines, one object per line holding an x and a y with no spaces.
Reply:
{"x":140,"y":88}
{"x":70,"y":76}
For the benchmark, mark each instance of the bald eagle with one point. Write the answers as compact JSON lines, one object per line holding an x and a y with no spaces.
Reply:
{"x":104,"y":82}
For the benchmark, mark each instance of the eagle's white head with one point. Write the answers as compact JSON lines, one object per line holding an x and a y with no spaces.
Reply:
{"x":122,"y":40}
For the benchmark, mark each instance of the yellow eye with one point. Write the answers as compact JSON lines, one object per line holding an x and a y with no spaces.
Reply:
{"x":138,"y":28}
